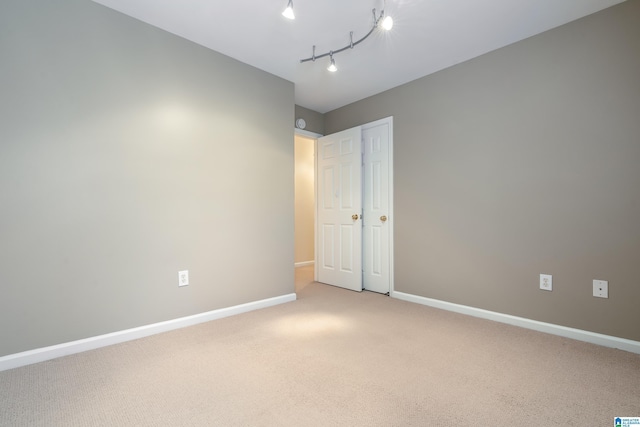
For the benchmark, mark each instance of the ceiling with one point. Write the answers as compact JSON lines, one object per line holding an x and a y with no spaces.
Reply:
{"x":428,"y":35}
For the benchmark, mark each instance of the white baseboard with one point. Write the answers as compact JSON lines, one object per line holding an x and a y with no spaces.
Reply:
{"x":47,"y":353}
{"x":304,"y":263}
{"x":563,"y":331}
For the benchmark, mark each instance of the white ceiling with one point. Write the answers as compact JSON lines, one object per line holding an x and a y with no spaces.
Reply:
{"x":428,"y":35}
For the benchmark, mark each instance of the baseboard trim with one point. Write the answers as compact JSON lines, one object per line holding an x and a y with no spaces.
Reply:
{"x":47,"y":353}
{"x":563,"y":331}
{"x":304,"y":263}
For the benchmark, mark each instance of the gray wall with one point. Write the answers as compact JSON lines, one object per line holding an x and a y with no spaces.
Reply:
{"x":315,"y":120}
{"x":523,"y":161}
{"x":127,"y":154}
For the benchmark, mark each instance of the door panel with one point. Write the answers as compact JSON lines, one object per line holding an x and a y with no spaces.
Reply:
{"x":340,"y":189}
{"x":376,"y":258}
{"x":346,"y":249}
{"x":327,"y":180}
{"x":328,"y":254}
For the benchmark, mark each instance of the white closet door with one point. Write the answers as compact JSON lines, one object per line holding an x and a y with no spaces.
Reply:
{"x":376,"y":209}
{"x":339,"y":209}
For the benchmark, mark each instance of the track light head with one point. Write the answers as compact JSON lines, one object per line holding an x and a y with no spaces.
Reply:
{"x":332,"y":66}
{"x":288,"y":12}
{"x":387,"y":23}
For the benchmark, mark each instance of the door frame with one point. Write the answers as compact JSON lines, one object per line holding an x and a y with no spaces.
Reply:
{"x":391,"y":216}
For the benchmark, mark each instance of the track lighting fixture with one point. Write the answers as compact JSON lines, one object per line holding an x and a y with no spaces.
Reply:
{"x":382,"y":20}
{"x":288,"y":12}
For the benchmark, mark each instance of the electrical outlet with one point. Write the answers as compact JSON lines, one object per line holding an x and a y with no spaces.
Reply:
{"x":601,"y":288}
{"x":546,"y":282}
{"x":183,"y":278}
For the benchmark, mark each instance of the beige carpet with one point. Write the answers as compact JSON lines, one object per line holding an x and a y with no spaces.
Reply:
{"x":332,"y":358}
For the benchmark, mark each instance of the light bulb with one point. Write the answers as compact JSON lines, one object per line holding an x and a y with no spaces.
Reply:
{"x":288,"y":13}
{"x":387,"y":23}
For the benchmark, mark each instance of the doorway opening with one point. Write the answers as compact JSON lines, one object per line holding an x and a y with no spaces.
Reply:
{"x":304,"y":200}
{"x":304,"y":183}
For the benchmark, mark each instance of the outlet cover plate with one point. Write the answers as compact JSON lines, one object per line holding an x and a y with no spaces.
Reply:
{"x":601,"y":288}
{"x":546,"y":282}
{"x":183,"y":278}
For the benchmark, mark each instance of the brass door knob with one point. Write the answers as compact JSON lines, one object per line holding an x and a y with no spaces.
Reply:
{"x":383,"y":218}
{"x":354,"y":217}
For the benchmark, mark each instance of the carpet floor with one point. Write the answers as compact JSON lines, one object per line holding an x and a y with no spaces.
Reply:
{"x":331,"y":358}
